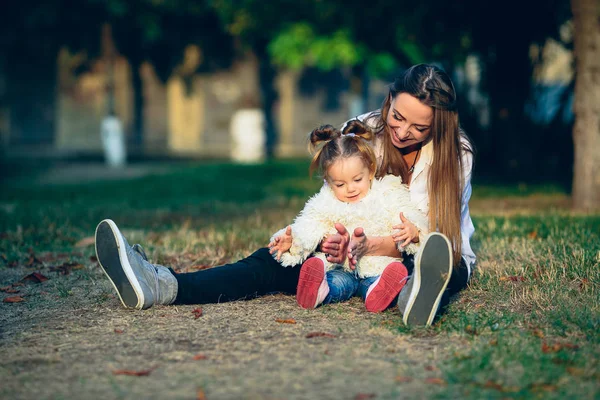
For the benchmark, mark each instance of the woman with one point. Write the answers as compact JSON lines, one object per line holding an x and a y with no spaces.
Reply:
{"x":417,"y":137}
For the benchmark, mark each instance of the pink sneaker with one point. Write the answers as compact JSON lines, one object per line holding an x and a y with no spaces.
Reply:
{"x":383,"y":291}
{"x":312,"y":284}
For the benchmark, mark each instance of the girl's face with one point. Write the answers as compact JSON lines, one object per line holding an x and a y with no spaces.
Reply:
{"x":350,"y":179}
{"x":409,"y":121}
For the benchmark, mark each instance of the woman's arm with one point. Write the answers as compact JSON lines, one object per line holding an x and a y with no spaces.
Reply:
{"x":336,"y":245}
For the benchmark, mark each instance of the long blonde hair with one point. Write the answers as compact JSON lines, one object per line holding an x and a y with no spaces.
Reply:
{"x":433,"y":88}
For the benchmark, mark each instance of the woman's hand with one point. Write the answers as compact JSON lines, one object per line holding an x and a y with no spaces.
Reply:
{"x":357,"y":247}
{"x":407,"y":232}
{"x":335,"y":246}
{"x":281,"y":243}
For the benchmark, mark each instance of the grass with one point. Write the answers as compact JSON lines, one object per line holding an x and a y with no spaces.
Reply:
{"x":526,"y":327}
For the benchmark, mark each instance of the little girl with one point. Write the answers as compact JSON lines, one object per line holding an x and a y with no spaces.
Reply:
{"x":352,"y":197}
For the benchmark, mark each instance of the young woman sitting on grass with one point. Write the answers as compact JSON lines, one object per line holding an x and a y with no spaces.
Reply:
{"x":417,"y":137}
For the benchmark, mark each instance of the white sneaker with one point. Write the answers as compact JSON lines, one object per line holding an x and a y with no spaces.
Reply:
{"x":138,"y":283}
{"x":433,"y":269}
{"x":312,"y":286}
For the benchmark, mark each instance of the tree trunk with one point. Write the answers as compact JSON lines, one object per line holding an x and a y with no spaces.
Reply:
{"x":586,"y":132}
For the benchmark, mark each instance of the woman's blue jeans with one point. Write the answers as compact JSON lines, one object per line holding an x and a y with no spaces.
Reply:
{"x":343,"y":285}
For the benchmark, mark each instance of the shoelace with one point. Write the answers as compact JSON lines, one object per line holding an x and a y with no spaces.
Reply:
{"x":140,"y":250}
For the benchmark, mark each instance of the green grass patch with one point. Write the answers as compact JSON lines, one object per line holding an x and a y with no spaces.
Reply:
{"x":526,"y":327}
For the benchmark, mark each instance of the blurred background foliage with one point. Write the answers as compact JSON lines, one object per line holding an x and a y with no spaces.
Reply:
{"x":375,"y":39}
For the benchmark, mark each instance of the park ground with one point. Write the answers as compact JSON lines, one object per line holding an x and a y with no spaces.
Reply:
{"x":527,"y":327}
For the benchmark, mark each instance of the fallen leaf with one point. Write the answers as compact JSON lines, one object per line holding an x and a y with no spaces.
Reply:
{"x":200,"y":357}
{"x":532,"y":235}
{"x":470,"y":330}
{"x":435,"y":381}
{"x":430,"y":368}
{"x":200,"y":395}
{"x":512,"y":278}
{"x":117,"y":330}
{"x":13,"y":299}
{"x":129,"y":372}
{"x":319,"y":334}
{"x":197,"y":313}
{"x":33,"y":261}
{"x":570,"y":346}
{"x":403,"y":379}
{"x":546,"y":387}
{"x":35,"y":277}
{"x":286,"y":321}
{"x":365,"y":396}
{"x":538,"y":333}
{"x":8,"y":289}
{"x":85,"y":242}
{"x":546,"y":348}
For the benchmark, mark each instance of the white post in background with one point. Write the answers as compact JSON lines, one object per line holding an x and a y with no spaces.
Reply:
{"x":248,"y":135}
{"x":111,"y":129}
{"x":113,"y":141}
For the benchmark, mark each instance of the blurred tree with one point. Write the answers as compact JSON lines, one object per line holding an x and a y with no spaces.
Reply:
{"x":31,"y":34}
{"x":586,"y":133}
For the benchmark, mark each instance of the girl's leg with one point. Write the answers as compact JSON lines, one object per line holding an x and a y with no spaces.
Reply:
{"x":383,"y":290}
{"x":342,"y":286}
{"x":312,"y":284}
{"x":255,"y":275}
{"x":316,"y":287}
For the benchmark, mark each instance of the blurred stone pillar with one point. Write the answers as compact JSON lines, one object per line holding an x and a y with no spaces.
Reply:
{"x":185,"y":99}
{"x":286,"y":86}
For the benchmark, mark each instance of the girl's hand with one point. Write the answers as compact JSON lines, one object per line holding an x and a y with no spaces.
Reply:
{"x":281,"y":243}
{"x":357,"y":247}
{"x":335,"y":246}
{"x":407,"y":232}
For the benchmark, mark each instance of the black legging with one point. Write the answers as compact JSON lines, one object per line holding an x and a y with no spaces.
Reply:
{"x":259,"y":274}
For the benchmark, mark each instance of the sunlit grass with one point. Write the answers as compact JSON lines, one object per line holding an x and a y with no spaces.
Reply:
{"x":526,"y":327}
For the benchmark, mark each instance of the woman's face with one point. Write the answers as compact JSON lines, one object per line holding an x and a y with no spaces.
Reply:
{"x":409,"y":121}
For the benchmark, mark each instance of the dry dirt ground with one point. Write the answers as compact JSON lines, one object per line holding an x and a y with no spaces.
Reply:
{"x":71,"y":338}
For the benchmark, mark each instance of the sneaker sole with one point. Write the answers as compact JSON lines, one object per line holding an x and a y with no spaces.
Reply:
{"x":110,"y":251}
{"x":388,"y":285}
{"x":309,"y":281}
{"x":433,"y":268}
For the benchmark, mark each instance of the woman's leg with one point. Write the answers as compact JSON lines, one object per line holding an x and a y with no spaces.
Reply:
{"x":458,"y":281}
{"x":433,"y":281}
{"x":316,"y":287}
{"x":255,"y":275}
{"x":141,"y":284}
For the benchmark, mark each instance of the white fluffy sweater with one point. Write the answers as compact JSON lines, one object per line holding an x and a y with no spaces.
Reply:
{"x":377,"y":212}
